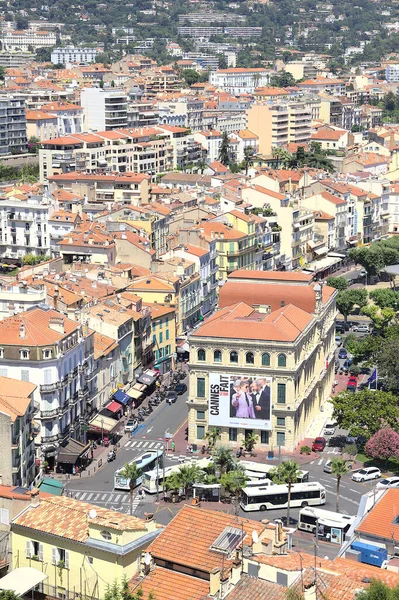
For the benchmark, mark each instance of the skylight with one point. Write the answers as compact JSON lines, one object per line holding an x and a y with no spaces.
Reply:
{"x":228,"y":540}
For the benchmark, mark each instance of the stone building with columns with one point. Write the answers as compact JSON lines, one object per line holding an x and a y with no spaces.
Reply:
{"x":273,"y":337}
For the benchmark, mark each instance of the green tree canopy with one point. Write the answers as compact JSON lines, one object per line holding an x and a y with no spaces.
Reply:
{"x":339,"y":283}
{"x":378,"y":590}
{"x":366,"y":411}
{"x":131,"y":472}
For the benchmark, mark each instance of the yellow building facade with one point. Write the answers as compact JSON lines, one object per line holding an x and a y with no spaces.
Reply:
{"x":281,"y":333}
{"x":81,"y":548}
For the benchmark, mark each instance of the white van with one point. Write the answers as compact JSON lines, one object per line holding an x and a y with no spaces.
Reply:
{"x":329,"y":428}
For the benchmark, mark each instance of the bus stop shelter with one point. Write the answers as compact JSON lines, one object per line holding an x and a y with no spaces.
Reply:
{"x":207,"y":491}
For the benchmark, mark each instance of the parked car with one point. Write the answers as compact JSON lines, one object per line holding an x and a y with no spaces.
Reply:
{"x":388,"y":482}
{"x":363,"y":273}
{"x":319,"y":444}
{"x":361,"y":328}
{"x":171,"y":396}
{"x":329,"y":428}
{"x":352,"y":382}
{"x":347,"y":363}
{"x":327,"y":467}
{"x":342,"y":353}
{"x":338,"y":340}
{"x":131,"y":425}
{"x":366,"y":474}
{"x":180,"y":388}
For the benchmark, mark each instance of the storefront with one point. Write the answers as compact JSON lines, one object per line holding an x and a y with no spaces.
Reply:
{"x":73,"y":454}
{"x":103,"y":428}
{"x":115,"y":409}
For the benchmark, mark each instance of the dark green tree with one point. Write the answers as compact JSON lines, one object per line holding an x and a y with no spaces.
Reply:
{"x":339,"y":283}
{"x":282,"y":80}
{"x":191,"y":76}
{"x":224,"y":152}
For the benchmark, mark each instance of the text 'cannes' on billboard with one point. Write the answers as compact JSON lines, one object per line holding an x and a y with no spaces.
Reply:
{"x":240,"y":401}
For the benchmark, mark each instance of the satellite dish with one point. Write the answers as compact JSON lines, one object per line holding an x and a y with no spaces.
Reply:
{"x":147,"y":558}
{"x":255,"y":537}
{"x":92,"y":513}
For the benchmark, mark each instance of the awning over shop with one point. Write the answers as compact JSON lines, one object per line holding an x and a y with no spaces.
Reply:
{"x":140,"y":387}
{"x":183,"y":348}
{"x":322,"y":250}
{"x":71,"y":452}
{"x":51,"y":486}
{"x":122,"y":397}
{"x":100,"y":423}
{"x":134,"y":394}
{"x":149,"y":377}
{"x":323,"y":263}
{"x":22,"y":580}
{"x":114,"y":407}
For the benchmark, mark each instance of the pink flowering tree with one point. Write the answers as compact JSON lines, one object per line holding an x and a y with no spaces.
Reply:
{"x":384,"y":444}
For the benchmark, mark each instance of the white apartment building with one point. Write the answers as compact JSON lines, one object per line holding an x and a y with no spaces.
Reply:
{"x":46,"y":348}
{"x":24,"y":226}
{"x":239,"y":80}
{"x":73,"y":54}
{"x":392,"y":73}
{"x":69,"y":117}
{"x":210,"y":142}
{"x":22,"y":40}
{"x":19,"y":297}
{"x":245,"y":140}
{"x":227,"y":122}
{"x":104,"y":109}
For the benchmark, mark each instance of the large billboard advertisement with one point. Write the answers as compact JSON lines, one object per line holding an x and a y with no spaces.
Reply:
{"x":240,"y":401}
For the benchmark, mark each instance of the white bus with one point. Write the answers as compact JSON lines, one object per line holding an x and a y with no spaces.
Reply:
{"x":149,"y":483}
{"x":331,"y":526}
{"x":145,"y":462}
{"x":270,"y":497}
{"x":255,"y":470}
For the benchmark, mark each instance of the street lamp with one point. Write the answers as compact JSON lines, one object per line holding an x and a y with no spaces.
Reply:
{"x":102,"y":432}
{"x":163,"y":469}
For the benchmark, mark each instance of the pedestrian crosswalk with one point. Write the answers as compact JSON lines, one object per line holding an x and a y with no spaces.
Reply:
{"x":143,"y":445}
{"x":119,"y":501}
{"x":323,"y":459}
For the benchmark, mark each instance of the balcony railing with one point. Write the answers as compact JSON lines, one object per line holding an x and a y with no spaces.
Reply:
{"x":48,"y":414}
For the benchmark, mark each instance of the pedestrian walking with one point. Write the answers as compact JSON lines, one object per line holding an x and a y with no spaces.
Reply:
{"x":173,"y":446}
{"x":73,"y":470}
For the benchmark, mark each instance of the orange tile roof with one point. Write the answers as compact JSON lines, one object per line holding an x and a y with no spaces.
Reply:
{"x":263,"y":190}
{"x":37,"y":328}
{"x":328,"y":134}
{"x":60,"y":106}
{"x":201,"y":527}
{"x":331,"y":198}
{"x":221,"y":230}
{"x":39,"y":115}
{"x":241,"y":321}
{"x":6,"y":491}
{"x":103,"y":345}
{"x":379,"y":521}
{"x":169,"y":585}
{"x":15,"y":396}
{"x":68,"y":518}
{"x":195,"y":250}
{"x":246,"y":134}
{"x":286,"y":276}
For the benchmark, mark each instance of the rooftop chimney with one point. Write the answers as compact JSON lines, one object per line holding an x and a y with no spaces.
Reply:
{"x":35,"y":498}
{"x":22,"y":331}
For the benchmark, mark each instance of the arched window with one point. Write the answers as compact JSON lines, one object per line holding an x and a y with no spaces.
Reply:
{"x":282,"y":360}
{"x":201,"y":354}
{"x":233,"y":357}
{"x":266,"y":359}
{"x":249,"y":358}
{"x":217,"y":356}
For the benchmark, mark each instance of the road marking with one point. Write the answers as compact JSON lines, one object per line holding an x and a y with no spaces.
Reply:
{"x":104,"y":496}
{"x":138,"y":444}
{"x":146,"y":444}
{"x":312,"y":462}
{"x":150,"y":429}
{"x":96,"y":497}
{"x":328,"y":486}
{"x":320,"y":461}
{"x":355,"y":491}
{"x":89,"y":497}
{"x":118,"y":497}
{"x":83,"y":496}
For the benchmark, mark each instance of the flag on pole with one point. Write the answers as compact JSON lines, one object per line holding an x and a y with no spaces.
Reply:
{"x":372,"y":380}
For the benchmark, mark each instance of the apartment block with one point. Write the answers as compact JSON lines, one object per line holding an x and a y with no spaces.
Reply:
{"x":13,"y":125}
{"x":43,"y":347}
{"x":18,"y":296}
{"x":17,"y":457}
{"x":24,"y":40}
{"x":278,"y":124}
{"x":24,"y":226}
{"x":104,"y":109}
{"x":73,"y":54}
{"x":239,"y":80}
{"x":69,"y":117}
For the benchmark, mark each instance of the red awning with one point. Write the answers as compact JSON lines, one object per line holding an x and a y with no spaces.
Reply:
{"x":114,"y":407}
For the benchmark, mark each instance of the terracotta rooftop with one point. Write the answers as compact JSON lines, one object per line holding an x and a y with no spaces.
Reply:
{"x":68,"y":518}
{"x":331,"y":198}
{"x":379,"y":521}
{"x":169,"y":585}
{"x":15,"y":396}
{"x":201,"y":527}
{"x":286,"y":276}
{"x":36,"y":323}
{"x":103,"y":345}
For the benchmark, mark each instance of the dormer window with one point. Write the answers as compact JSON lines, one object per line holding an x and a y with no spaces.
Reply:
{"x":24,"y":354}
{"x":47,"y":353}
{"x":1,"y":352}
{"x":106,"y":535}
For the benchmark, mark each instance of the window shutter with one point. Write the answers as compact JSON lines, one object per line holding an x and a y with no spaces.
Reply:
{"x":54,"y":556}
{"x":41,"y":552}
{"x":5,"y":516}
{"x":67,"y":559}
{"x":28,"y":551}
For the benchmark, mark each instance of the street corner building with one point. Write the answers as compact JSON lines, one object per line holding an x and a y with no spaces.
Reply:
{"x":264,"y":362}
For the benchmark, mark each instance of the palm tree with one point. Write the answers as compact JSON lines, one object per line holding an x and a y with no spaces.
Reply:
{"x":288,"y":473}
{"x":187,"y":475}
{"x":248,"y":156}
{"x":338,"y":468}
{"x":131,"y":472}
{"x":201,"y":166}
{"x":223,"y":459}
{"x":282,"y":155}
{"x":250,"y":441}
{"x":212,"y":435}
{"x":234,"y":481}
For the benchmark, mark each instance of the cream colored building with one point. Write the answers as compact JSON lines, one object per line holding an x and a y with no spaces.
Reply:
{"x":271,"y":325}
{"x":277,"y":124}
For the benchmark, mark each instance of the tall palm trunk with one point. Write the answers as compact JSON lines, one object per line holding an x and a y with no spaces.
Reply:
{"x":337,"y":497}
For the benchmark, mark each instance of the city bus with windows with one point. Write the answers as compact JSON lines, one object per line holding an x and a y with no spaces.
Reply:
{"x":145,"y":462}
{"x":330,"y":526}
{"x":269,"y":497}
{"x":150,"y":478}
{"x":260,"y":471}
